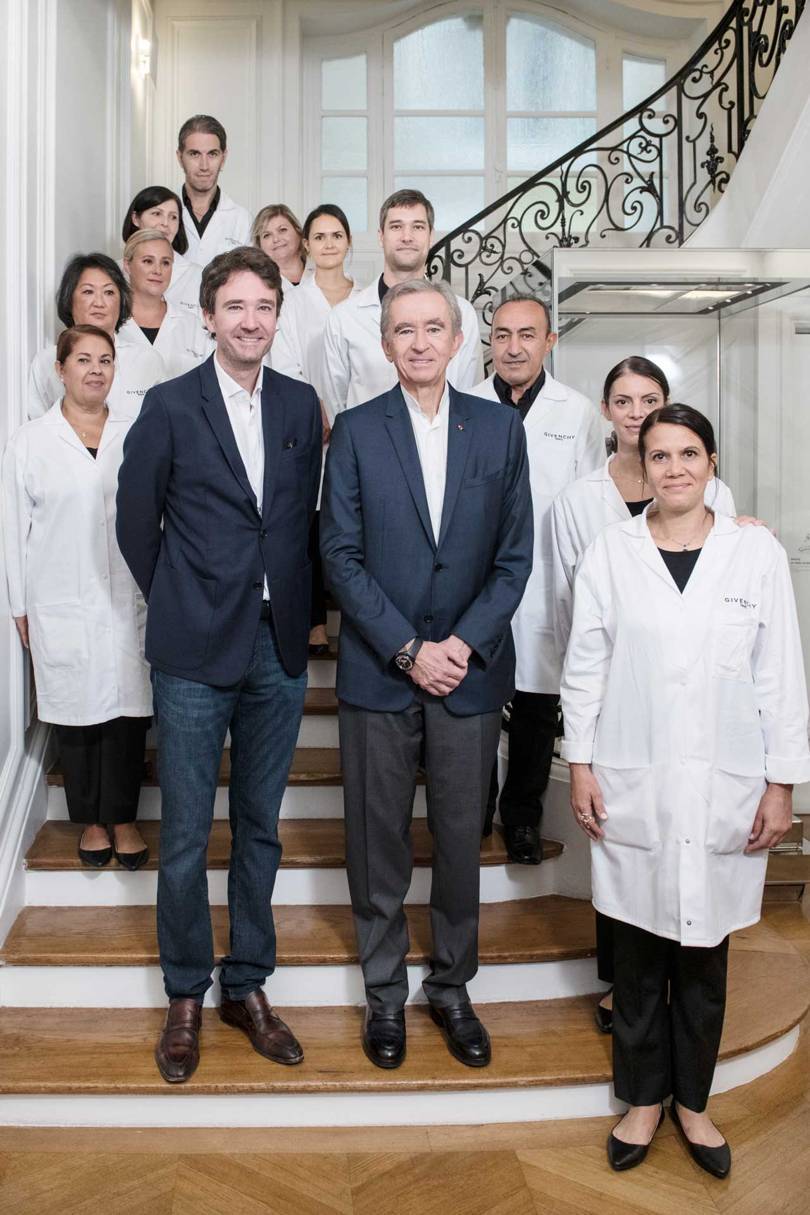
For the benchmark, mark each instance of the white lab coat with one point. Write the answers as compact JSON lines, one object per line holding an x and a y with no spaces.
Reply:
{"x":355,"y":368}
{"x":184,"y":288}
{"x":227,"y":228}
{"x":564,"y":440}
{"x":86,"y":616}
{"x":579,"y":514}
{"x":684,"y":705}
{"x":137,"y":368}
{"x":182,"y":341}
{"x":297,"y":348}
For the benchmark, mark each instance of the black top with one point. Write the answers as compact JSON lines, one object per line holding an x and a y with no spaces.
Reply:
{"x":382,"y":288}
{"x":637,"y":508}
{"x":93,"y":451}
{"x":525,"y":403}
{"x":151,"y":334}
{"x":201,"y":224}
{"x":680,"y":564}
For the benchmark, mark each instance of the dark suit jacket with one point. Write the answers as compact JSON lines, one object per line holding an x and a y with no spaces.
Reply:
{"x":190,"y":531}
{"x":391,"y":579}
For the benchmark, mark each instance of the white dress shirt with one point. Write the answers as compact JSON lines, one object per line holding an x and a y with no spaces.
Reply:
{"x":431,"y":445}
{"x":245,"y":415}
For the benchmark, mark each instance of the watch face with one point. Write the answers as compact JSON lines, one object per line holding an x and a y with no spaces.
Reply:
{"x":404,"y":662}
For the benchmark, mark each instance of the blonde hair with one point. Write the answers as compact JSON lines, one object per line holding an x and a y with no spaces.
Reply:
{"x":140,"y":237}
{"x":272,"y":212}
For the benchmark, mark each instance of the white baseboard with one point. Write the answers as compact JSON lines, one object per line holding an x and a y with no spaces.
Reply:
{"x":21,"y":816}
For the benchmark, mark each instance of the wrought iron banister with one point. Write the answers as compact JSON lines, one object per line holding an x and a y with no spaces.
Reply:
{"x":650,"y":177}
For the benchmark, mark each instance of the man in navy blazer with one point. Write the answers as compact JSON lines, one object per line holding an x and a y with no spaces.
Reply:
{"x":426,"y":538}
{"x":216,"y":494}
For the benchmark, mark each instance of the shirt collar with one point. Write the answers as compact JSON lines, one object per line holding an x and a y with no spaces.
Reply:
{"x":528,"y":398}
{"x":442,"y":413}
{"x":229,"y":387}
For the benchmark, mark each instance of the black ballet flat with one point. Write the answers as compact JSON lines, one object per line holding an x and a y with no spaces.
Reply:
{"x":95,"y":858}
{"x":604,"y":1019}
{"x":714,"y":1160}
{"x":623,"y":1155}
{"x":132,"y":860}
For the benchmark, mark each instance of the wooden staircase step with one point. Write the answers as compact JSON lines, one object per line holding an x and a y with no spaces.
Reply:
{"x":307,"y":844}
{"x":547,"y":1043}
{"x":311,"y":766}
{"x":545,"y":929}
{"x":320,"y":701}
{"x":786,"y":868}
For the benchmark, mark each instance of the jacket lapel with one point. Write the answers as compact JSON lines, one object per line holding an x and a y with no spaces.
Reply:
{"x":217,"y":415}
{"x":273,"y":414}
{"x":401,"y":432}
{"x":459,"y":438}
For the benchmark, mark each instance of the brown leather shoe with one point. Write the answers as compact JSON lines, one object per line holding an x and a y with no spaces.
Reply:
{"x":178,"y":1050}
{"x":267,"y":1032}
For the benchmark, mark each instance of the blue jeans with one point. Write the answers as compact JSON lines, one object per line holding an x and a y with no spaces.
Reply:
{"x":263,"y":712}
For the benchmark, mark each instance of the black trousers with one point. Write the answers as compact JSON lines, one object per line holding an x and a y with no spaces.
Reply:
{"x":604,"y":947}
{"x":380,"y":757}
{"x":317,"y":613}
{"x":103,"y":769}
{"x":669,"y":1001}
{"x":533,"y":726}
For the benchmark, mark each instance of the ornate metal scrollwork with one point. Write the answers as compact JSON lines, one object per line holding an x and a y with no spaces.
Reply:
{"x":648,"y":179}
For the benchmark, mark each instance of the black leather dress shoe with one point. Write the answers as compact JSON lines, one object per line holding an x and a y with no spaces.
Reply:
{"x":466,"y":1037}
{"x":132,"y":860}
{"x":603,"y":1018}
{"x":96,"y":858}
{"x":384,"y":1038}
{"x":523,"y":845}
{"x":714,"y":1160}
{"x":623,"y":1155}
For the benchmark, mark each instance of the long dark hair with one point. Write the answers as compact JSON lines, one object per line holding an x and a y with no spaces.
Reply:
{"x":144,"y":200}
{"x":74,"y":270}
{"x":332,"y":210}
{"x":678,"y":414}
{"x":636,"y":364}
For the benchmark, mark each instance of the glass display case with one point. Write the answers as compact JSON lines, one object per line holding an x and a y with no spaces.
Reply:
{"x":731,"y":331}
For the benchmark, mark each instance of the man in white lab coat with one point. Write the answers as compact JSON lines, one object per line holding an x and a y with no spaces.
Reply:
{"x":564,"y":437}
{"x":355,"y":368}
{"x":214,"y":223}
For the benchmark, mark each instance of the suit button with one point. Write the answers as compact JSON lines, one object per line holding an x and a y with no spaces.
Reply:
{"x":438,"y":566}
{"x":263,"y":534}
{"x":257,"y":586}
{"x":428,"y":619}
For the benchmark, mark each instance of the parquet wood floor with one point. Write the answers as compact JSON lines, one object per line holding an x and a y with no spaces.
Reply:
{"x":550,"y":1168}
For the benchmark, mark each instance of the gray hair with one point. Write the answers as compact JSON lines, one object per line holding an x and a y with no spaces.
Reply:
{"x":415,"y":286}
{"x":523,"y":297}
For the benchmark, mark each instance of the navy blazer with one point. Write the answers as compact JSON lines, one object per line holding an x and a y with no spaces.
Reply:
{"x":191,"y":533}
{"x":391,"y":579}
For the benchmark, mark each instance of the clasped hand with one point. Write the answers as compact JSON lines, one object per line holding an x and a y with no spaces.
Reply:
{"x":440,"y":666}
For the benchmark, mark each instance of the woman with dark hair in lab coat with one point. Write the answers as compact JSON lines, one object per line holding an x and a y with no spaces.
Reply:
{"x":685,"y":713}
{"x":73,"y":599}
{"x":159,"y":208}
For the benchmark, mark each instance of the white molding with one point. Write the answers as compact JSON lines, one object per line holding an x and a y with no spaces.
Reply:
{"x":462,"y":1108}
{"x":25,"y":804}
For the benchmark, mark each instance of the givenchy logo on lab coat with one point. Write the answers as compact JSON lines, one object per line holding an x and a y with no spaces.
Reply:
{"x":552,"y":434}
{"x":743,"y":603}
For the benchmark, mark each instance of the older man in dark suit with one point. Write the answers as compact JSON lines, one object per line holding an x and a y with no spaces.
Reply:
{"x":426,"y":537}
{"x":216,"y":494}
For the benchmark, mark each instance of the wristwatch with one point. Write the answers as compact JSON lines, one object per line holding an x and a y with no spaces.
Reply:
{"x":405,"y":658}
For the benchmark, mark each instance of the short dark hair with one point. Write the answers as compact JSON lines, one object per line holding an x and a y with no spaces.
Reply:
{"x":407,"y":198}
{"x":144,"y":200}
{"x":205,"y":124}
{"x":244,"y":257}
{"x":523,"y":297}
{"x":331,"y":209}
{"x":68,"y":339}
{"x":74,"y":270}
{"x":678,"y":414}
{"x":636,"y":364}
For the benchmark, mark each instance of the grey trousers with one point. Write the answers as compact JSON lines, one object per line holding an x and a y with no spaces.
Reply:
{"x":380,"y":756}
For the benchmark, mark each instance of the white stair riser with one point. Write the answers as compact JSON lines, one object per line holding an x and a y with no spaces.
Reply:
{"x":299,"y":801}
{"x":319,"y":731}
{"x":463,"y":1108}
{"x":113,"y":888}
{"x":289,"y":986}
{"x":321,"y":673}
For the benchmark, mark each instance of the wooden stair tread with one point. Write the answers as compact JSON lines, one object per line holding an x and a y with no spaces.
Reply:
{"x":314,"y":766}
{"x":307,"y":843}
{"x":549,"y":928}
{"x":549,"y":1043}
{"x":319,"y":701}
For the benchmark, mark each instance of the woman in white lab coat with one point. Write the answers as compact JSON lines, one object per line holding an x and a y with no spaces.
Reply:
{"x":685,"y":714}
{"x":158,"y":207}
{"x":93,"y":291}
{"x":73,"y":598}
{"x":173,"y":333}
{"x":615,"y":491}
{"x":298,"y":348}
{"x":279,"y":234}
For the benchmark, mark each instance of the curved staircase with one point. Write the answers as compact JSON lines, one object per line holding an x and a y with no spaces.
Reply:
{"x":81,"y":996}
